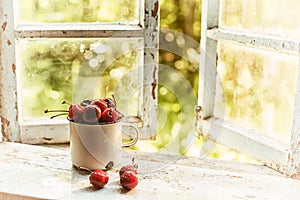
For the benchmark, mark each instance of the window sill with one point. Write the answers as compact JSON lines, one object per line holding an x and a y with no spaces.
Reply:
{"x":29,"y":172}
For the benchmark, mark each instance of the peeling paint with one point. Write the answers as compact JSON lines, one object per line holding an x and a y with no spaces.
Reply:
{"x":16,"y":107}
{"x":8,"y":79}
{"x":5,"y":123}
{"x":174,"y":174}
{"x":47,"y":139}
{"x":13,"y":67}
{"x":4,"y":26}
{"x":155,"y":10}
{"x":149,"y":105}
{"x":153,"y":137}
{"x":273,"y":42}
{"x":152,"y":56}
{"x":154,"y":84}
{"x":296,"y":176}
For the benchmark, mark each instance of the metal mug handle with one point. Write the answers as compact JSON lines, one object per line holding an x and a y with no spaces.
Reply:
{"x":136,"y":135}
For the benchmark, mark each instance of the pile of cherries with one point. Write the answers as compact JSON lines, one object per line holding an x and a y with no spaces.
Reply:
{"x":91,"y":111}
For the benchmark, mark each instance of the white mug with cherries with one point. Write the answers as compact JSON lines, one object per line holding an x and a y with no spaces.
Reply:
{"x":96,"y":133}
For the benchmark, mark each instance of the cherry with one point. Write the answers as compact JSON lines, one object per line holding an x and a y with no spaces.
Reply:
{"x":129,"y":180}
{"x":109,"y":115}
{"x":75,"y":112}
{"x":91,"y":114}
{"x":111,"y":103}
{"x":99,"y":178}
{"x":133,"y":167}
{"x":100,"y":103}
{"x":86,"y":102}
{"x":127,"y":168}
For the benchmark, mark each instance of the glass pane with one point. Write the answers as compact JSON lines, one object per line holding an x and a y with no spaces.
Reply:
{"x":58,"y":11}
{"x":263,"y":16}
{"x":256,"y":89}
{"x":57,"y":70}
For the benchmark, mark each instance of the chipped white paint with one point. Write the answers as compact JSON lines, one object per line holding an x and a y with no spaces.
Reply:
{"x":208,"y":58}
{"x":74,"y":30}
{"x":33,"y":132}
{"x":284,"y":158}
{"x":148,"y":108}
{"x":277,"y":43}
{"x":260,"y":147}
{"x":8,"y":86}
{"x":42,"y":172}
{"x":294,"y":157}
{"x":1,"y":137}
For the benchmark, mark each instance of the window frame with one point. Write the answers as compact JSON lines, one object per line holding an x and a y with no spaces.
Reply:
{"x":12,"y":127}
{"x":281,"y":157}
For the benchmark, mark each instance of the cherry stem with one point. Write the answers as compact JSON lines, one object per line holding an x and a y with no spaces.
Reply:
{"x":106,"y":89}
{"x":85,"y":168}
{"x":134,"y":164}
{"x":47,"y":111}
{"x":108,"y":166}
{"x":58,"y":115}
{"x":113,"y":96}
{"x":64,"y":102}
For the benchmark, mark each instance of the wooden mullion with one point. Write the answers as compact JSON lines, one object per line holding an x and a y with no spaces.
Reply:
{"x":78,"y":31}
{"x":273,"y":42}
{"x":208,"y":58}
{"x":148,"y":107}
{"x":8,"y":71}
{"x":294,"y":156}
{"x":260,"y":147}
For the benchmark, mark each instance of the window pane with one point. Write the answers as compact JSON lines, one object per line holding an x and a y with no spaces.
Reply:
{"x":263,"y":16}
{"x":54,"y":70}
{"x":257,"y":89}
{"x":57,"y":11}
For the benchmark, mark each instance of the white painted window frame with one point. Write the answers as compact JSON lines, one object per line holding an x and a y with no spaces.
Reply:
{"x":283,"y":158}
{"x":13,"y":129}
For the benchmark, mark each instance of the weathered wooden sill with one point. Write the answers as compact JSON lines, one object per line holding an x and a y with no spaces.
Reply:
{"x":29,"y":172}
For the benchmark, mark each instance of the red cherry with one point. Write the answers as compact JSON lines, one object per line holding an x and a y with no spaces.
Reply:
{"x":109,"y":115}
{"x":91,"y":114}
{"x":86,"y":102}
{"x":100,"y":103}
{"x":99,"y":178}
{"x":128,"y":168}
{"x":129,"y":180}
{"x":75,"y":112}
{"x":110,"y":102}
